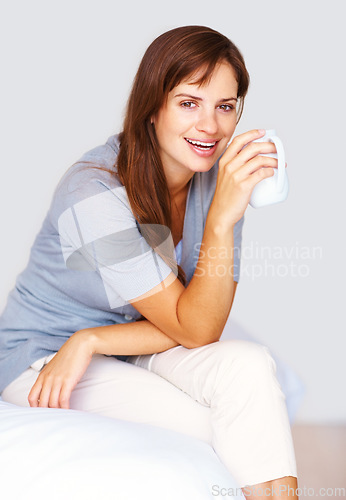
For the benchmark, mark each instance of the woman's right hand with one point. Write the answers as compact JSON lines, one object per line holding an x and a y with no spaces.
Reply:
{"x":58,"y":378}
{"x":240,"y":169}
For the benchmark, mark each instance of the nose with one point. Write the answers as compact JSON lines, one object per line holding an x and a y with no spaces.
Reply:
{"x":207,"y":122}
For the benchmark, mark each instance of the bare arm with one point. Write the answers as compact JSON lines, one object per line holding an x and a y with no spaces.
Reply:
{"x":129,"y":339}
{"x":139,"y":337}
{"x":60,"y":376}
{"x":196,"y":315}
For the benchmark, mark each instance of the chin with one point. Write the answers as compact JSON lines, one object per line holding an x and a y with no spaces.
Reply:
{"x":203,"y":167}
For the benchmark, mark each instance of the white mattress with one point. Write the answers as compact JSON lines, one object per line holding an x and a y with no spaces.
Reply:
{"x":66,"y":454}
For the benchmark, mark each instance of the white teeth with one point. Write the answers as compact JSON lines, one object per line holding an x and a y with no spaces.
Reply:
{"x":198,"y":143}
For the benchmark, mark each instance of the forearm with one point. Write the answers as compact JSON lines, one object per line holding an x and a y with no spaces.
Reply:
{"x":203,"y":308}
{"x":139,"y":337}
{"x":55,"y":383}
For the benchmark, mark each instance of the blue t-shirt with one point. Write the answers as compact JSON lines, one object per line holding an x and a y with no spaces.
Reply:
{"x":90,"y":259}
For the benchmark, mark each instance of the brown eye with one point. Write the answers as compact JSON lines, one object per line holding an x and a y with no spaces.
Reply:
{"x":187,"y":104}
{"x":226,"y":107}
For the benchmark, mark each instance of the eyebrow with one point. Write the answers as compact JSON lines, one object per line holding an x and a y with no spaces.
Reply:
{"x":200,"y":98}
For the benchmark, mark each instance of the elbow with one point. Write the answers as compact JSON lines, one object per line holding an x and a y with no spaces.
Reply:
{"x":192,"y":334}
{"x":193,"y":343}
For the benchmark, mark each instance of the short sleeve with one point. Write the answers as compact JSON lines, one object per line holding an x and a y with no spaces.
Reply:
{"x":100,"y":233}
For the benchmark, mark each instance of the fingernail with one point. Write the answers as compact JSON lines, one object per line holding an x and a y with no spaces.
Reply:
{"x":261,"y":131}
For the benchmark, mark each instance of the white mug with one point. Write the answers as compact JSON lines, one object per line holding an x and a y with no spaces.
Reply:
{"x":272,"y":189}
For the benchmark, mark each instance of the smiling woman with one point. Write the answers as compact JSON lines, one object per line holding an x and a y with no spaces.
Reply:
{"x":118,"y":312}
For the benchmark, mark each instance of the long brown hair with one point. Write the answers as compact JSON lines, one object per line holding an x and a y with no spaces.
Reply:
{"x":171,"y":58}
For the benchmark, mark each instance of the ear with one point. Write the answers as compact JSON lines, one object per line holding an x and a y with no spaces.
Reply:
{"x":152,"y":120}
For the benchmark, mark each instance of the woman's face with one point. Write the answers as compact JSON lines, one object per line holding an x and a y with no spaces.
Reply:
{"x":196,"y":123}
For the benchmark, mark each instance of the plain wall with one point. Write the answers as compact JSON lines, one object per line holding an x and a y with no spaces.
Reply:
{"x":67,"y":68}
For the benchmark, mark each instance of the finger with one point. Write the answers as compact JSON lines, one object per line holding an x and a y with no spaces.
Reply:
{"x":34,"y":394}
{"x":45,"y":394}
{"x":259,"y":175}
{"x":54,"y":396}
{"x":260,"y":162}
{"x":64,"y":398}
{"x":238,"y":143}
{"x":255,"y":149}
{"x":252,"y":166}
{"x":250,"y":152}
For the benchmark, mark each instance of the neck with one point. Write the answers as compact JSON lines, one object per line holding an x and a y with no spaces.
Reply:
{"x":178,"y":187}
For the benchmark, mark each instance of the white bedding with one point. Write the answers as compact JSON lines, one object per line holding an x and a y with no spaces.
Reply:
{"x":66,"y":454}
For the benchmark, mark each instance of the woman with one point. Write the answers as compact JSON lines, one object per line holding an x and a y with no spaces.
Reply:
{"x":138,"y":261}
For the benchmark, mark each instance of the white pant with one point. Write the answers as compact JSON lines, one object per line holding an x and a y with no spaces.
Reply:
{"x":225,"y":393}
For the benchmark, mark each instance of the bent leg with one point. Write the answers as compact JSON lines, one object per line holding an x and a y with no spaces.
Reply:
{"x":236,"y":379}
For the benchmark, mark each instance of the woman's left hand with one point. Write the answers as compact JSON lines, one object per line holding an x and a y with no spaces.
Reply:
{"x":60,"y":376}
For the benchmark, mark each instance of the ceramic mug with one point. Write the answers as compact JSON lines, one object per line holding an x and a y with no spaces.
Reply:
{"x":272,"y":189}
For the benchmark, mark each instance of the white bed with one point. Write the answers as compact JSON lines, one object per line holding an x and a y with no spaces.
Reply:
{"x":66,"y":454}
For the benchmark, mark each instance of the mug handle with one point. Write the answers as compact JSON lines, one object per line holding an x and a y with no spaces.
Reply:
{"x":281,"y":162}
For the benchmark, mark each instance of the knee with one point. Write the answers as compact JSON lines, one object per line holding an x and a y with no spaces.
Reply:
{"x":247,"y":357}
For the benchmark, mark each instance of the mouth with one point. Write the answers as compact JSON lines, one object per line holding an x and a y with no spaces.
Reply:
{"x":203,"y":149}
{"x":201,"y":145}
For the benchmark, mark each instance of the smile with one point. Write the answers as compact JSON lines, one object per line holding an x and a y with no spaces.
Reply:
{"x":203,"y":149}
{"x":201,"y":145}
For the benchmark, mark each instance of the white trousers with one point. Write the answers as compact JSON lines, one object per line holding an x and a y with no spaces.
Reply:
{"x":225,"y":393}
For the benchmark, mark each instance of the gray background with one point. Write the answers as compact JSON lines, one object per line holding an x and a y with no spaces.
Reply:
{"x":67,"y":68}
